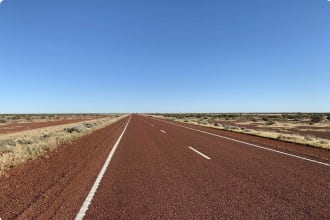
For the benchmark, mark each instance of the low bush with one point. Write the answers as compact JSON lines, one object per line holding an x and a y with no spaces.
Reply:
{"x":265,"y":118}
{"x":280,"y":137}
{"x":315,"y":118}
{"x":309,"y":137}
{"x":16,"y":117}
{"x":270,"y":122}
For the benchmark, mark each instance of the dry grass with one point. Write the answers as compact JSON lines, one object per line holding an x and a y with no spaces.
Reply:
{"x":28,"y":118}
{"x":19,"y":147}
{"x":213,"y":122}
{"x":294,"y":125}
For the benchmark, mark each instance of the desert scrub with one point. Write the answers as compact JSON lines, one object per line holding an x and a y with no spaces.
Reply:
{"x":19,"y":147}
{"x":282,"y":120}
{"x":309,"y":137}
{"x":16,"y":117}
{"x":315,"y":118}
{"x":270,"y":122}
{"x":280,"y":137}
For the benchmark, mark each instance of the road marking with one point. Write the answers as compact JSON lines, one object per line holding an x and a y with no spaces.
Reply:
{"x":253,"y":145}
{"x":89,"y":198}
{"x":200,"y":153}
{"x":163,"y":131}
{"x":152,"y":125}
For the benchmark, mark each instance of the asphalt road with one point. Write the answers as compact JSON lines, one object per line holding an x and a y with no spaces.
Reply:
{"x":165,"y":171}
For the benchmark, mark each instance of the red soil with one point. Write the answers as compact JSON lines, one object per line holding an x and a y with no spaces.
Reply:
{"x":16,"y":127}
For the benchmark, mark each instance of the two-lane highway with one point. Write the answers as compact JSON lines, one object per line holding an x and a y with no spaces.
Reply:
{"x":161,"y":170}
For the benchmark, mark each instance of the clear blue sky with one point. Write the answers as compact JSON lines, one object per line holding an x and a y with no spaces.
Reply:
{"x":164,"y":56}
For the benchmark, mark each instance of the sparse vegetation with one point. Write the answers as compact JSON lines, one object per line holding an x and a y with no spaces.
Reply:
{"x":16,"y":117}
{"x":315,"y":118}
{"x":309,"y":137}
{"x":302,"y":128}
{"x":265,"y":118}
{"x":19,"y":147}
{"x":269,"y":122}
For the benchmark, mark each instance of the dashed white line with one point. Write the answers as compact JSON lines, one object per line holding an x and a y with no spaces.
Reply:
{"x":200,"y":153}
{"x":253,"y":145}
{"x":163,"y":131}
{"x":152,"y":125}
{"x":89,"y":198}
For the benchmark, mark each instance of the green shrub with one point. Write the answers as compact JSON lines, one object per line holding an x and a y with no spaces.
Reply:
{"x":16,"y":117}
{"x":265,"y":118}
{"x":292,"y":117}
{"x":316,"y":118}
{"x":29,"y":118}
{"x":270,"y":122}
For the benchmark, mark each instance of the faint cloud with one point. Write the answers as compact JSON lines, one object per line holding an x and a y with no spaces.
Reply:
{"x":1,"y":1}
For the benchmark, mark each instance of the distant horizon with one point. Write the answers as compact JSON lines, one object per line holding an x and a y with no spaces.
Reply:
{"x":101,"y":113}
{"x":165,"y":56}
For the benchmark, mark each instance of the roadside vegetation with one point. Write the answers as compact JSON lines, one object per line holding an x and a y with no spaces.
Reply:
{"x":311,"y":129}
{"x":16,"y":148}
{"x":21,"y":118}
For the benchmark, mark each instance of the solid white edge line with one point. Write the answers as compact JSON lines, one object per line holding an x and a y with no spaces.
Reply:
{"x":253,"y":145}
{"x":163,"y":131}
{"x":200,"y":153}
{"x":89,"y":198}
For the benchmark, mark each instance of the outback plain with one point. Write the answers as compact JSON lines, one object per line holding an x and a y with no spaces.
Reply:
{"x":58,"y":166}
{"x":24,"y":137}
